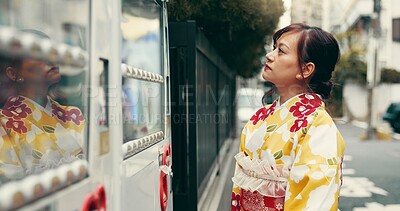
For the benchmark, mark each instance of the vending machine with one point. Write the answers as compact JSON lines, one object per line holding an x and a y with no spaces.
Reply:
{"x":84,"y":105}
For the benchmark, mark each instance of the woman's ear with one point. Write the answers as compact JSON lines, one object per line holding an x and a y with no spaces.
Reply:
{"x":11,"y":73}
{"x":308,"y":69}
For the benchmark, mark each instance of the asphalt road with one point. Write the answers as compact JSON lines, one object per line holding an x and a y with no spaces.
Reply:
{"x":371,"y":173}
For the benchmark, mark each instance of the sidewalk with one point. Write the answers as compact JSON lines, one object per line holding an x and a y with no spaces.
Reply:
{"x":217,"y":196}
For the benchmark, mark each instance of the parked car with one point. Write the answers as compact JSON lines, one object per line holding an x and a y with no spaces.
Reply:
{"x":392,"y":115}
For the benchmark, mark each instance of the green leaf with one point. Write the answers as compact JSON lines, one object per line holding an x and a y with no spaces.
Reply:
{"x":36,"y":154}
{"x":237,"y":30}
{"x":304,"y":130}
{"x":48,"y":129}
{"x":278,"y":154}
{"x":332,"y":161}
{"x":271,"y":128}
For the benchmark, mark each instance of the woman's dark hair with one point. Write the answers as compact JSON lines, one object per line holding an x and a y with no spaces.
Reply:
{"x":319,"y":47}
{"x":7,"y":88}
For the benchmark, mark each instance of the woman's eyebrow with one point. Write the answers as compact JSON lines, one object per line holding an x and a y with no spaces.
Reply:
{"x":283,"y":44}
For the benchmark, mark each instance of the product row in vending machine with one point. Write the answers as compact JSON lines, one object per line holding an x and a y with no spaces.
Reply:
{"x":84,"y":105}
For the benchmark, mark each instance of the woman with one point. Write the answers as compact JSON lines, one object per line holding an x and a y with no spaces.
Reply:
{"x":291,"y":151}
{"x":36,"y":132}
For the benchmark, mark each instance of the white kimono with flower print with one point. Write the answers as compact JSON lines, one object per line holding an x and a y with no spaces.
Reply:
{"x":293,"y":150}
{"x":34,"y":138}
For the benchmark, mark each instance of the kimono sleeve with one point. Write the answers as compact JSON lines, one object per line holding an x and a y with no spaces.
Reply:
{"x":235,"y":200}
{"x":315,"y":178}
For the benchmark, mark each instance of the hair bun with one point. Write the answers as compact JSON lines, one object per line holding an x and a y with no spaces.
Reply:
{"x":323,"y":88}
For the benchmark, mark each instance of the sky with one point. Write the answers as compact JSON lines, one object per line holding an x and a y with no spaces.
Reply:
{"x":284,"y":20}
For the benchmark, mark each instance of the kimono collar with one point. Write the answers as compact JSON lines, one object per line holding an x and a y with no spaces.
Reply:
{"x":314,"y":99}
{"x":46,"y":109}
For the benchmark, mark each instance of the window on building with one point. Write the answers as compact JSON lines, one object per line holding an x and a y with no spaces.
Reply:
{"x":396,"y":29}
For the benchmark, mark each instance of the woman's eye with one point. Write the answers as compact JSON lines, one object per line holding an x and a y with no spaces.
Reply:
{"x":280,"y":50}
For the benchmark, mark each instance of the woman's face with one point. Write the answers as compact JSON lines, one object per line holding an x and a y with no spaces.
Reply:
{"x":39,"y":72}
{"x":282,"y":63}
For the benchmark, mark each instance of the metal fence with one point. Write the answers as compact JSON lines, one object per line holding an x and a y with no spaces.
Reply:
{"x":203,"y":111}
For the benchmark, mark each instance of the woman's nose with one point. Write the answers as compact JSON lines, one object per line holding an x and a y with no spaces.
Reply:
{"x":269,"y":57}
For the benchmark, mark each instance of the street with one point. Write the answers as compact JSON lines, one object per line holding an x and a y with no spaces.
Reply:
{"x":371,"y":173}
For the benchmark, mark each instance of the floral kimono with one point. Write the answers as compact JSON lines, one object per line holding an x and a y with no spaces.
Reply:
{"x":33,"y":138}
{"x":290,"y":158}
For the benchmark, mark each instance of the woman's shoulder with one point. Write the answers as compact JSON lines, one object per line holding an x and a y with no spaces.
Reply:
{"x":67,"y":113}
{"x":269,"y":105}
{"x":64,"y":107}
{"x":264,"y":108}
{"x":322,"y":115}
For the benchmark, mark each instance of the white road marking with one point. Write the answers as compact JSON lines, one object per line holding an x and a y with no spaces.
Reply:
{"x":360,"y":124}
{"x":360,"y":187}
{"x":374,"y":206}
{"x":348,"y":158}
{"x":348,"y":171}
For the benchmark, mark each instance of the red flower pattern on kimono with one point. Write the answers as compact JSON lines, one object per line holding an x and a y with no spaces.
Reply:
{"x":298,"y":124}
{"x":60,"y":113}
{"x":13,"y":102}
{"x":251,"y":201}
{"x":76,"y":116}
{"x":258,"y":115}
{"x":307,"y":105}
{"x":311,"y":99}
{"x":301,"y":110}
{"x":17,"y":112}
{"x":16,"y":125}
{"x":235,"y":202}
{"x":263,"y":113}
{"x":23,"y":111}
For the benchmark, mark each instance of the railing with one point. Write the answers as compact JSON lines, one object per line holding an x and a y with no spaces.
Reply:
{"x":202,"y":95}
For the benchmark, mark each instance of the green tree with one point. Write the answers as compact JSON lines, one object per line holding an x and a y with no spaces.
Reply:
{"x":389,"y":75}
{"x":238,"y":29}
{"x":351,"y":66}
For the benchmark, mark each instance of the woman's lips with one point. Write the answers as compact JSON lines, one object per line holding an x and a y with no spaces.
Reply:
{"x":267,"y":67}
{"x":54,"y":69}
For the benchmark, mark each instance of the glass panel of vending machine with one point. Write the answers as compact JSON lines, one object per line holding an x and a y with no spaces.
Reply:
{"x":142,"y":81}
{"x":43,"y":105}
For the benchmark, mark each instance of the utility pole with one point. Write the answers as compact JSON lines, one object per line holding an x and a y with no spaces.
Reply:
{"x":372,"y":70}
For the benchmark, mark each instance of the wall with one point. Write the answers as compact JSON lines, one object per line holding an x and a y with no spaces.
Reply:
{"x":394,"y":61}
{"x":355,"y":99}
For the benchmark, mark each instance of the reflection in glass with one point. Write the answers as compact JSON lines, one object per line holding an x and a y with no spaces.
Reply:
{"x":141,"y":48}
{"x":141,"y":45}
{"x":37,"y":132}
{"x":42,"y":123}
{"x":142,"y":108}
{"x":4,"y":12}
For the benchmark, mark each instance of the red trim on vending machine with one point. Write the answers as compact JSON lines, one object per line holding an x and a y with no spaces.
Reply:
{"x":166,"y":157}
{"x":95,"y":200}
